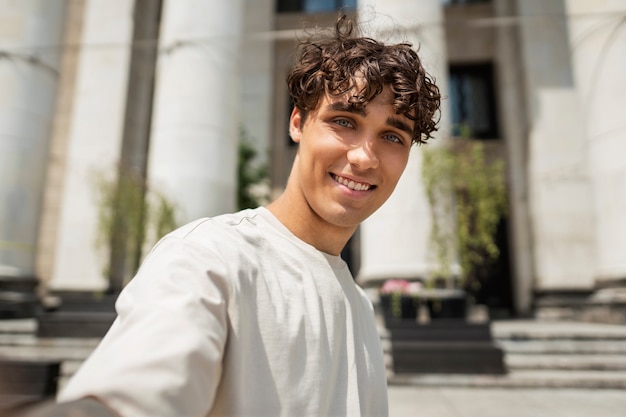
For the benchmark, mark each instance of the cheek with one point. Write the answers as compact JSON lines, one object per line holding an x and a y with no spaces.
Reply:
{"x":320,"y":147}
{"x":397,"y":165}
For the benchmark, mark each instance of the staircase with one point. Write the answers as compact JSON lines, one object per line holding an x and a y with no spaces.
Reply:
{"x":542,"y":354}
{"x":537,"y":354}
{"x":19,"y":342}
{"x":18,"y":298}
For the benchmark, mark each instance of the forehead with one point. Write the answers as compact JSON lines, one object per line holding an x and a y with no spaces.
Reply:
{"x":351,"y":100}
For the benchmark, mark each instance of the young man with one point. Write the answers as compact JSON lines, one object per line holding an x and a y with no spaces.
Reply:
{"x":255,"y":313}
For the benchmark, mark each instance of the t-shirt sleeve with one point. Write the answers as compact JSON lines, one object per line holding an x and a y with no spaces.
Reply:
{"x":163,"y":354}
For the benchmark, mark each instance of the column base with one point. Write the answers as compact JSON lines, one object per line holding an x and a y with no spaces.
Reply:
{"x":18,"y":297}
{"x":78,"y":315}
{"x":605,"y":304}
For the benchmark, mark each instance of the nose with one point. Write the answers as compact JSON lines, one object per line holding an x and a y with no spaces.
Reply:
{"x":362,"y":155}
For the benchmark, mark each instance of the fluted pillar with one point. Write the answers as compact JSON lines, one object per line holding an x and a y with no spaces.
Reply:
{"x":195,"y":124}
{"x":513,"y":112}
{"x":395,"y":240}
{"x":560,"y":189}
{"x":94,"y":142}
{"x":258,"y":73}
{"x":30,"y":32}
{"x":598,"y":48}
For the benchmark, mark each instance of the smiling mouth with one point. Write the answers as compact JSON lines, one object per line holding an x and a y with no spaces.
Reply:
{"x":353,"y":185}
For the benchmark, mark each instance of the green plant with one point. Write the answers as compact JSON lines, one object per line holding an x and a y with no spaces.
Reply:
{"x":131,"y":217}
{"x":252,"y":176}
{"x":467,"y":195}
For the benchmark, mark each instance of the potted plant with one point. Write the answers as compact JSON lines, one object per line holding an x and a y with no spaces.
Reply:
{"x":399,"y":299}
{"x":253,"y":183}
{"x":467,"y":195}
{"x":413,"y":301}
{"x":131,"y":217}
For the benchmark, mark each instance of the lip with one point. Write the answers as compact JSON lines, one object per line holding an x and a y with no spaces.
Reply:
{"x":336,"y":178}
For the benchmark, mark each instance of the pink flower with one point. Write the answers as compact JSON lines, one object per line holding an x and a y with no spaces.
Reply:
{"x":400,"y":286}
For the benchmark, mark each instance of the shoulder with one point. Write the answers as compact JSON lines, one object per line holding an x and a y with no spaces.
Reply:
{"x":216,"y":245}
{"x":207,"y":230}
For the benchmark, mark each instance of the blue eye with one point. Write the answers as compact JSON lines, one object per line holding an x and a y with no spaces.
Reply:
{"x":343,"y":123}
{"x":393,"y":138}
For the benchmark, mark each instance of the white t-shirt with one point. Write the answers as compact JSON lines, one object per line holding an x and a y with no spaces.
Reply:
{"x":236,"y":316}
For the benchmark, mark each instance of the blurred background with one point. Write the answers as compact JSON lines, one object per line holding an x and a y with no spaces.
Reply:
{"x":122,"y":119}
{"x":121,"y":113}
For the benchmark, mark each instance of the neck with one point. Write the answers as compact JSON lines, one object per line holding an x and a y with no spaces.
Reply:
{"x":309,"y":227}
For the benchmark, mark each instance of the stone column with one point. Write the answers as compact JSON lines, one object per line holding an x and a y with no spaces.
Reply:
{"x":258,"y":73}
{"x":30,"y":32}
{"x":94,"y":142}
{"x":395,"y":240}
{"x":598,"y":47}
{"x":195,"y":123}
{"x":559,"y":185}
{"x":513,"y":115}
{"x":57,"y":148}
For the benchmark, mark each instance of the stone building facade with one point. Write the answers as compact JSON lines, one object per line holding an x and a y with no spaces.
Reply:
{"x":162,"y":88}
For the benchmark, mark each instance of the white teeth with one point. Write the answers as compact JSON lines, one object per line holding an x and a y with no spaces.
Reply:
{"x":351,"y":184}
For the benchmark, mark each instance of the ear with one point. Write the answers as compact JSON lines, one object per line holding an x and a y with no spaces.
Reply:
{"x":295,"y":125}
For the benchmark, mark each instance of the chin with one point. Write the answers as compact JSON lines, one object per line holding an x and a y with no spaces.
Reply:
{"x":347,"y":220}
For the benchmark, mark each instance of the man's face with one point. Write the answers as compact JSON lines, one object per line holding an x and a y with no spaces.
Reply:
{"x":349,"y":160}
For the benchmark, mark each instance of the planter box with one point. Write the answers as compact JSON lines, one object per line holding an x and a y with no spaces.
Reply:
{"x":444,"y":346}
{"x":439,"y":303}
{"x":80,"y":315}
{"x":18,"y":297}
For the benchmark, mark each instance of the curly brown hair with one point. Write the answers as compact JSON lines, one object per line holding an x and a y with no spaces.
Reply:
{"x":339,"y":63}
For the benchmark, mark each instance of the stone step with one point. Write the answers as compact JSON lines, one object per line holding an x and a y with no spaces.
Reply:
{"x":565,"y":362}
{"x":555,"y":362}
{"x":541,"y":354}
{"x":603,"y":372}
{"x":519,"y":379}
{"x":18,"y":341}
{"x":75,"y":324}
{"x":563,"y":346}
{"x":18,"y":326}
{"x":61,"y":353}
{"x":520,"y":330}
{"x":27,"y":346}
{"x":558,"y":355}
{"x":27,"y":339}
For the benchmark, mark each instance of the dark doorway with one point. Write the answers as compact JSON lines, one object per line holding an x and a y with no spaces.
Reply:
{"x":496,"y":286}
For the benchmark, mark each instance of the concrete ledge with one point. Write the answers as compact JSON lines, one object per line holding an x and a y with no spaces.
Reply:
{"x":606,"y":305}
{"x":79,"y":315}
{"x":579,"y":362}
{"x":518,"y":379}
{"x":74,"y":324}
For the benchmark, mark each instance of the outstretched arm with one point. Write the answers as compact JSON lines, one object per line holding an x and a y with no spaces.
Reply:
{"x":87,"y":407}
{"x":162,"y":357}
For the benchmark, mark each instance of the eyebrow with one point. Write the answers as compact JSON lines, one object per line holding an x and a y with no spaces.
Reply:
{"x":347,"y":107}
{"x":353,"y":108}
{"x":399,"y":124}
